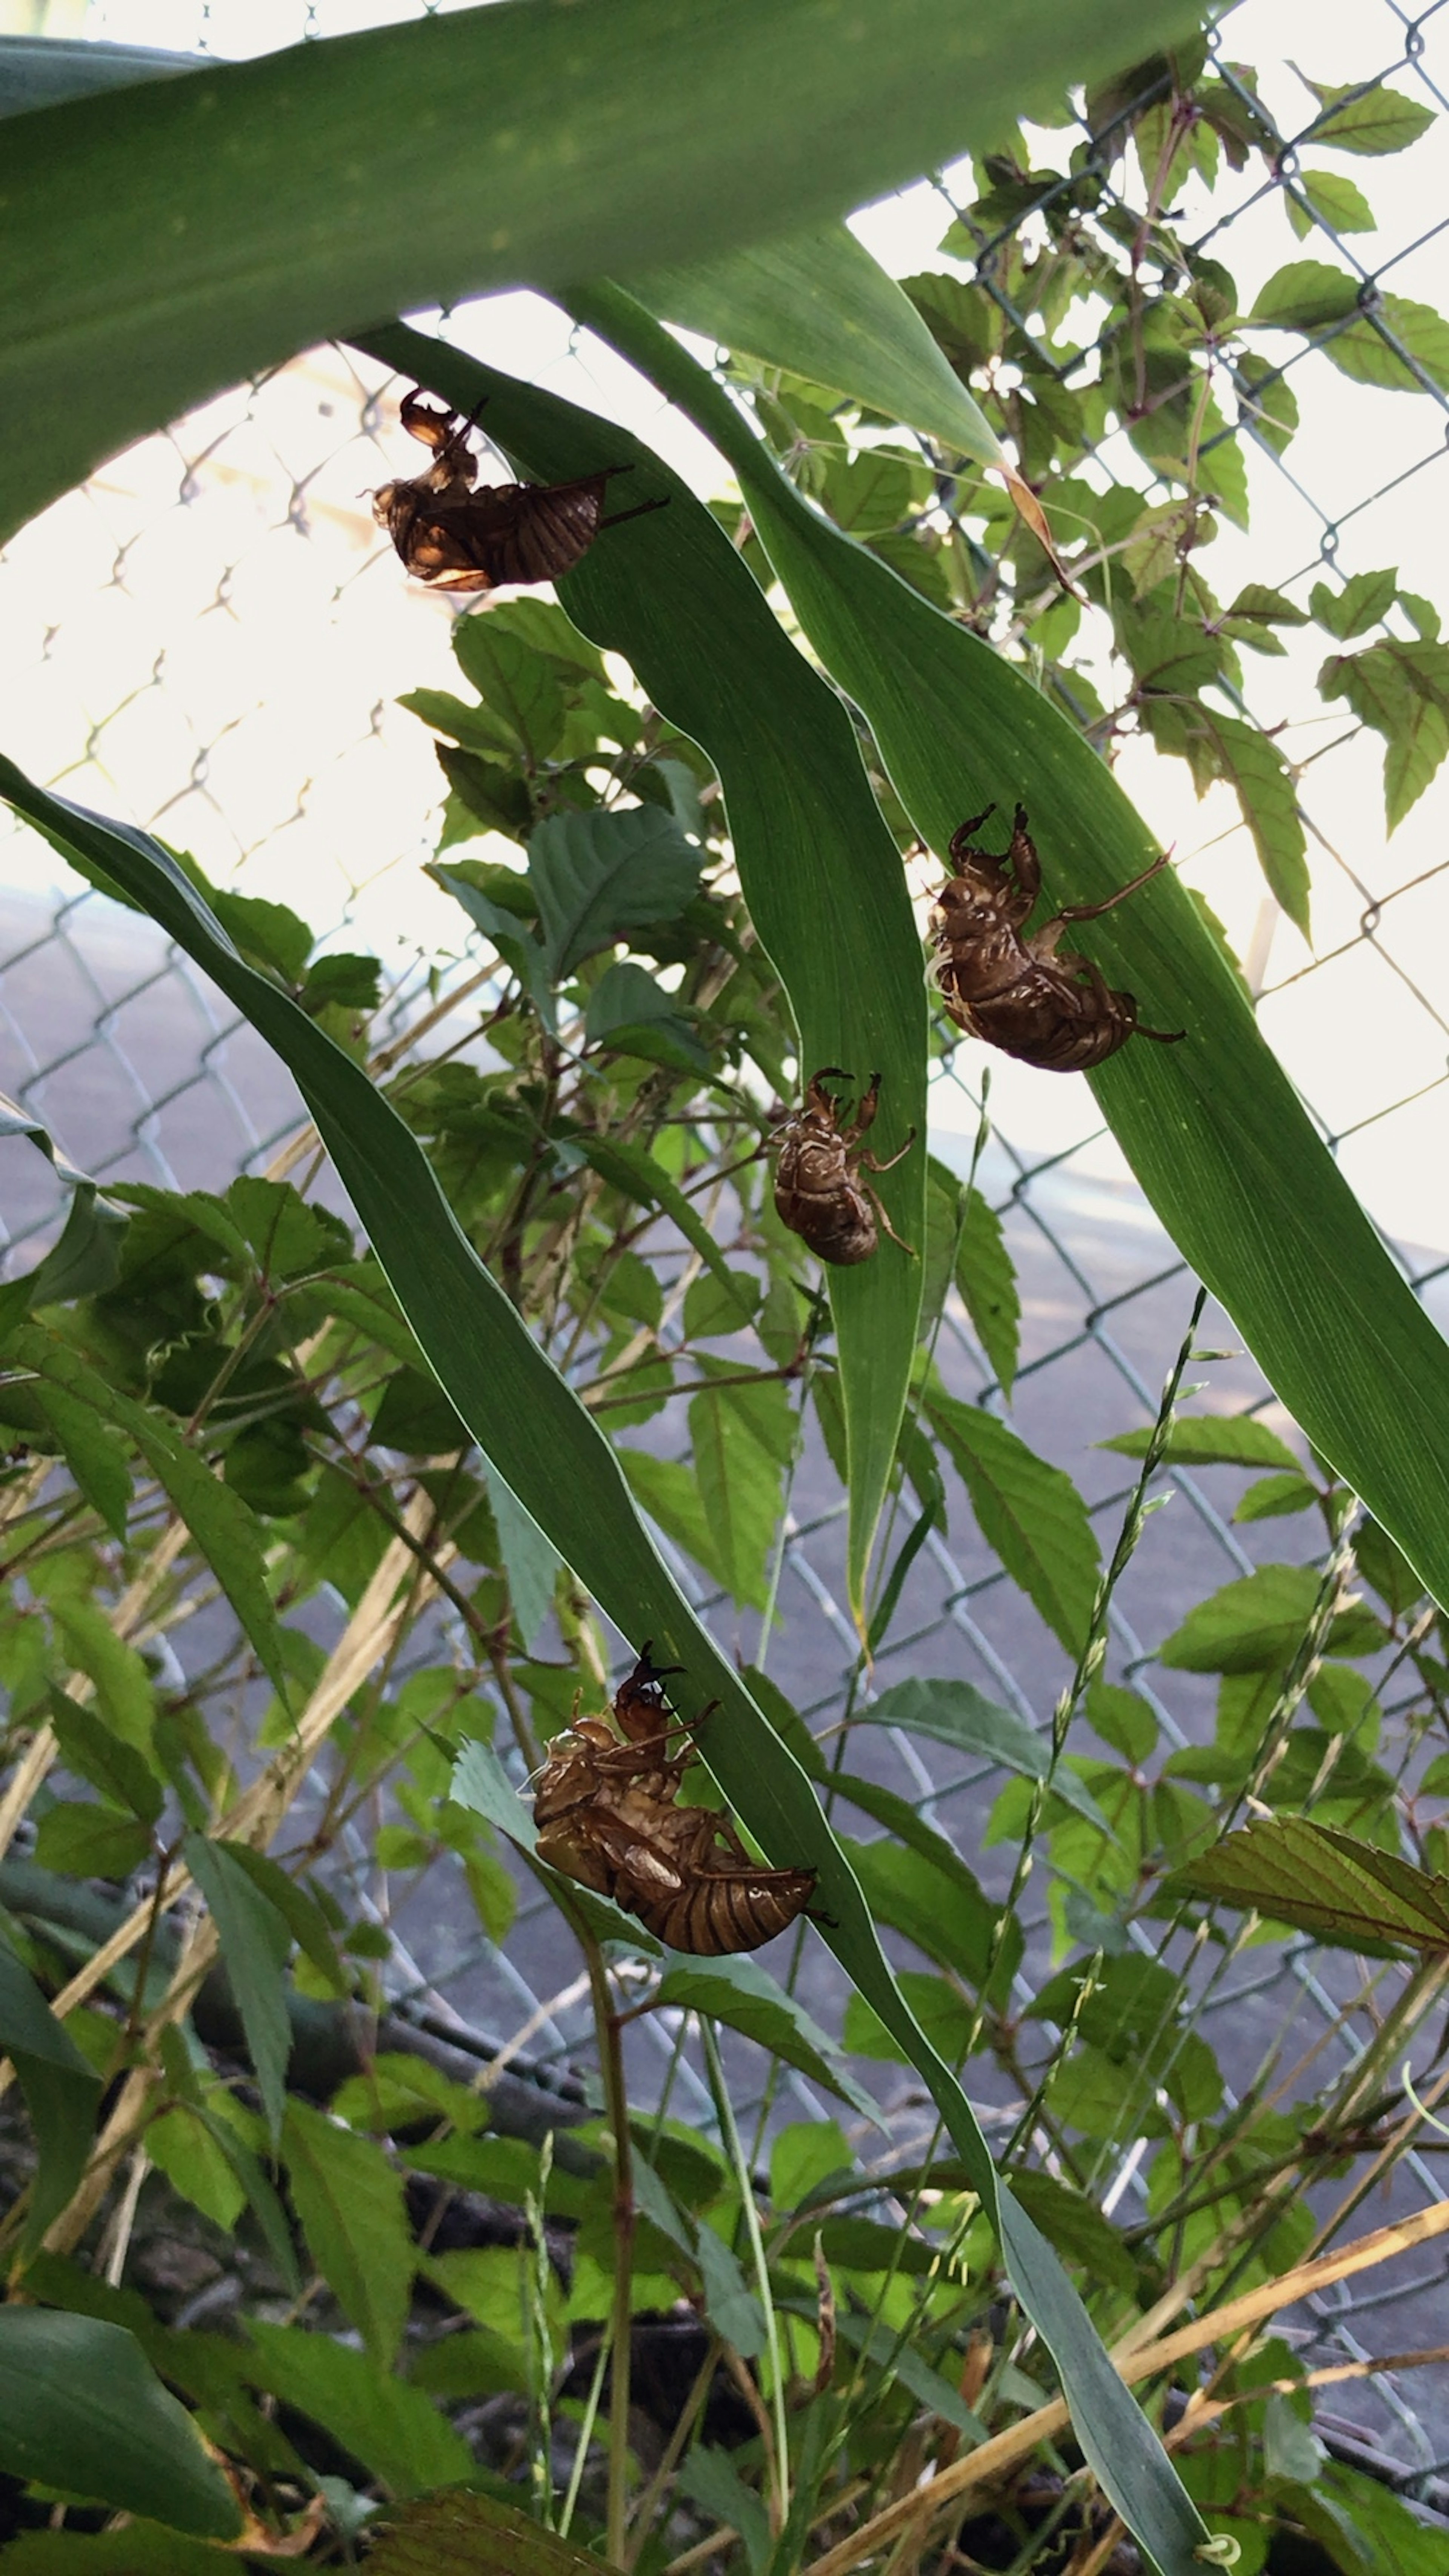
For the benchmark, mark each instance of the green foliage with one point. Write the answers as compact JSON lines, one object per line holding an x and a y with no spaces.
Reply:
{"x":684,"y":890}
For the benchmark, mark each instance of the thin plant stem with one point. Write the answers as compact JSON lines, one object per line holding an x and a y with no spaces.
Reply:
{"x":616,"y":2105}
{"x":724,"y":2109}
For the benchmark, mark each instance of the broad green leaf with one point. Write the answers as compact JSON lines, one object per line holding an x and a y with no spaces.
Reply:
{"x":349,"y":2199}
{"x":255,"y":1942}
{"x":252,"y":209}
{"x":1325,"y":1882}
{"x":1273,"y":1496}
{"x":740,"y":1489}
{"x":1303,"y":297}
{"x":526,"y":1419}
{"x":95,"y":1457}
{"x":304,"y":1917}
{"x":81,"y":2409}
{"x":669,"y":1492}
{"x":220,"y":1522}
{"x":62,"y":2093}
{"x":632,"y":1014}
{"x":957,"y":1713}
{"x":1220,"y":746}
{"x":1362,"y":601}
{"x":1210,"y":1440}
{"x":515,"y":943}
{"x":1257,"y":1623}
{"x":187,"y":2152}
{"x":94,"y":1753}
{"x":948,"y":2017}
{"x":1402,"y":690}
{"x":516,"y":683}
{"x":122,"y":1683}
{"x":1365,"y":353}
{"x":474,"y":2535}
{"x":90,"y":1842}
{"x":1341,"y":205}
{"x":817,"y":304}
{"x":987,"y":1281}
{"x":912,"y":1890}
{"x":598,"y":874}
{"x":1029,"y":1512}
{"x":803,"y":2156}
{"x":740,"y":1993}
{"x":1362,"y":117}
{"x":1213,"y":1128}
{"x":395,"y":2430}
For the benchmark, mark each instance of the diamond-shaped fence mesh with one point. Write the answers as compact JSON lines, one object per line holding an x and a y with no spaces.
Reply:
{"x":210,"y":638}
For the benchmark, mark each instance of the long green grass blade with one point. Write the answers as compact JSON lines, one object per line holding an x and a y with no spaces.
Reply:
{"x":1213,"y":1128}
{"x":539,"y":1437}
{"x":817,"y":304}
{"x":820,"y":871}
{"x":163,"y":241}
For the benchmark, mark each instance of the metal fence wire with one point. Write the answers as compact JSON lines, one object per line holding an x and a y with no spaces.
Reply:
{"x":210,"y":638}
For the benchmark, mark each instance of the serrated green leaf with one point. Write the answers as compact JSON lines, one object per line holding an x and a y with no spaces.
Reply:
{"x":515,"y":682}
{"x":1369,"y":355}
{"x":394,"y":2429}
{"x":1328,"y":1883}
{"x":1252,"y":1625}
{"x":745,"y":1997}
{"x":1303,"y":297}
{"x":1030,"y":1513}
{"x":85,"y":1841}
{"x":1267,"y":404}
{"x":956,"y":1713}
{"x":631,"y":1013}
{"x":599,"y":874}
{"x":1362,"y":601}
{"x":1274,"y":1496}
{"x":987,"y":1280}
{"x":1332,"y":198}
{"x":94,"y":1753}
{"x":81,"y":2409}
{"x":740,"y":1491}
{"x":255,"y":1942}
{"x":349,"y":2199}
{"x":1402,"y":690}
{"x":1367,"y":117}
{"x":1210,"y":1440}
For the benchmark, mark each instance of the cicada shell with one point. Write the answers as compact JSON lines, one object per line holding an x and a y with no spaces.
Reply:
{"x":1016,"y":988}
{"x":457,"y":535}
{"x":819,"y":1193}
{"x":606,"y":1810}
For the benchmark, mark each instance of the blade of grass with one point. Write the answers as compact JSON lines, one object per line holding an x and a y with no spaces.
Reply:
{"x":541,"y":1439}
{"x":163,"y":241}
{"x":1213,"y":1129}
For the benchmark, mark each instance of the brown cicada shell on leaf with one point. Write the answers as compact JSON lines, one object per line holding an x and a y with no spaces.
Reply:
{"x":819,"y":1193}
{"x":1015,"y":988}
{"x":607,"y":1816}
{"x":457,"y":535}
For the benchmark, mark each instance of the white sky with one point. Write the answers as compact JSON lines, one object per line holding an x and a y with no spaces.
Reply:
{"x":319,"y":790}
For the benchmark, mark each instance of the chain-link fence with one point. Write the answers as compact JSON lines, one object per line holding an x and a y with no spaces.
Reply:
{"x":210,"y":639}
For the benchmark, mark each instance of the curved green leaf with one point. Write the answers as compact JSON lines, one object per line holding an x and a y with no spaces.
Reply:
{"x":165,"y":240}
{"x":820,"y":871}
{"x":1213,"y":1129}
{"x":563,"y":1471}
{"x":82,"y":2409}
{"x":817,"y":304}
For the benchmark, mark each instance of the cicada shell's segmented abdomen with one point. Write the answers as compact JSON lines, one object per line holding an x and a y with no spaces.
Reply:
{"x":1015,"y":988}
